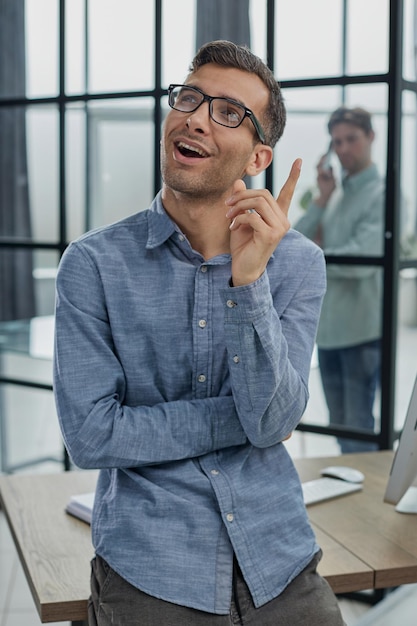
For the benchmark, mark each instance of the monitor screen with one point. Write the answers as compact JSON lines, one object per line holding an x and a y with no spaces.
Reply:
{"x":400,"y":489}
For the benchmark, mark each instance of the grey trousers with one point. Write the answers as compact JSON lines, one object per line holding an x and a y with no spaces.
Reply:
{"x":308,"y":600}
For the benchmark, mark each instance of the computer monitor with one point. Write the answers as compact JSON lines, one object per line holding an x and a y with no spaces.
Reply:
{"x":400,"y":489}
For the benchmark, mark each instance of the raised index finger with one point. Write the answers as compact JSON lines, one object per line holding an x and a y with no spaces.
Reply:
{"x":287,"y":191}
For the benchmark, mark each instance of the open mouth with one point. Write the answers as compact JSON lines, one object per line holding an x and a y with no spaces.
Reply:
{"x":191,"y":151}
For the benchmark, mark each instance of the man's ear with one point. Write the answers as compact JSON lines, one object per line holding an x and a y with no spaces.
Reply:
{"x":261,"y":157}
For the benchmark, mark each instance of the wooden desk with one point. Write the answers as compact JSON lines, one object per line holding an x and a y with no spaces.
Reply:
{"x":366,"y":544}
{"x":54,"y":548}
{"x":386,"y":541}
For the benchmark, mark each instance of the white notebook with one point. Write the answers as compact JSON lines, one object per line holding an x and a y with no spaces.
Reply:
{"x":81,"y":506}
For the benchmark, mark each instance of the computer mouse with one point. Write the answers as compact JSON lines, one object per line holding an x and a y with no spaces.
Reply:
{"x":343,"y":473}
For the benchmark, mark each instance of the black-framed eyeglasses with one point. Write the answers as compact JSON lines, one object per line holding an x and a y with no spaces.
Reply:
{"x":223,"y":111}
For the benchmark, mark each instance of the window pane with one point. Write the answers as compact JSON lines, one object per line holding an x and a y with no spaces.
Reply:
{"x":121,"y":45}
{"x":29,"y":174}
{"x":373,"y":98}
{"x":120,"y":186}
{"x":30,"y":425}
{"x":258,"y":21}
{"x":305,"y":136}
{"x":45,"y":263}
{"x":408,"y":177}
{"x":310,"y":46}
{"x":367,"y":46}
{"x":17,"y":295}
{"x":14,"y":185}
{"x":41,"y":48}
{"x":43,"y":166}
{"x":406,"y":347}
{"x":410,"y":41}
{"x":76,"y":164}
{"x":351,"y":318}
{"x":177,"y":51}
{"x":407,"y":315}
{"x":306,"y":133}
{"x":75,"y":34}
{"x":12,"y":50}
{"x":27,"y":283}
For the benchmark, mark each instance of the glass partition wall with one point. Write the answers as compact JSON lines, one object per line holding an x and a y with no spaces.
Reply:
{"x":369,"y":57}
{"x":82,"y":99}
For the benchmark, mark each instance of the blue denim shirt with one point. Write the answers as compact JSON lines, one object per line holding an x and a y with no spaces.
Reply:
{"x":180,"y":389}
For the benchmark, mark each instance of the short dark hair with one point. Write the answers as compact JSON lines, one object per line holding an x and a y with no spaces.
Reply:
{"x":228,"y":54}
{"x":355,"y":116}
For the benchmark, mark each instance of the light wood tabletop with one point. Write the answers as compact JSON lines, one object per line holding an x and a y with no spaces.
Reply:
{"x":364,"y":524}
{"x":54,"y":548}
{"x":366,"y":543}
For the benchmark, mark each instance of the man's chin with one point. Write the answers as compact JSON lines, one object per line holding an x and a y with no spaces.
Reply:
{"x":188,"y":184}
{"x":181,"y":186}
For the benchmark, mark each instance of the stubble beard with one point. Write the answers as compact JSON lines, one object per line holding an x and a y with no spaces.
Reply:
{"x":192,"y":185}
{"x":213,"y":184}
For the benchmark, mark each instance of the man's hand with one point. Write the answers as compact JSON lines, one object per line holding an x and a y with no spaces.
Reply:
{"x":325,"y":182}
{"x":259,"y":222}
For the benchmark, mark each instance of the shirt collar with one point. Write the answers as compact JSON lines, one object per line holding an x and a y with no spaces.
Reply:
{"x":160,"y":225}
{"x":357,"y":180}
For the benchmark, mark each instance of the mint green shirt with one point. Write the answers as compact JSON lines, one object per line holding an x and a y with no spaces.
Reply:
{"x":351,"y":224}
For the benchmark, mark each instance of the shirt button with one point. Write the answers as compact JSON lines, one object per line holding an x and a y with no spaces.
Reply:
{"x":204,"y":268}
{"x":236,"y":359}
{"x":214,"y":472}
{"x":201,"y":378}
{"x":202,"y":323}
{"x":230,"y":517}
{"x":181,"y":237}
{"x":230,"y":304}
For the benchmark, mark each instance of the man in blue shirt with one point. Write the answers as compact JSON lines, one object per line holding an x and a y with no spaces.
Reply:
{"x":183,"y":342}
{"x":348,"y":220}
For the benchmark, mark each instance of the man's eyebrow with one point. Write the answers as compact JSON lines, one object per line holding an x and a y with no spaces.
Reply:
{"x":226,"y":96}
{"x":237,"y":100}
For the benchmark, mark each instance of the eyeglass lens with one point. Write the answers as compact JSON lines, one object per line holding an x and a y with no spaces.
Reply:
{"x":222,"y":110}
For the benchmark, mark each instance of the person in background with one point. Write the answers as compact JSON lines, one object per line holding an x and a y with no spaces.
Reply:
{"x":183,"y":341}
{"x":349,"y":221}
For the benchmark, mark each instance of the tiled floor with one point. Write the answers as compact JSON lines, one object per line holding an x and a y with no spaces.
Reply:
{"x":16,"y":604}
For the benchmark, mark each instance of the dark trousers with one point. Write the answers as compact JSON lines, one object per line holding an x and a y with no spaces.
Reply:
{"x":308,"y":600}
{"x":350,"y":379}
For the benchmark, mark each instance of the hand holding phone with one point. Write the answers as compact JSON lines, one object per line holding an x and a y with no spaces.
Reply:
{"x":325,"y":179}
{"x":326,"y":160}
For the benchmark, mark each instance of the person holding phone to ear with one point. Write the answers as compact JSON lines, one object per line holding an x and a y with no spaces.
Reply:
{"x":184,"y":335}
{"x":347,"y":219}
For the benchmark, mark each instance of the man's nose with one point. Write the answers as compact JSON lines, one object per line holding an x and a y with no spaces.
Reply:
{"x":199,"y":120}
